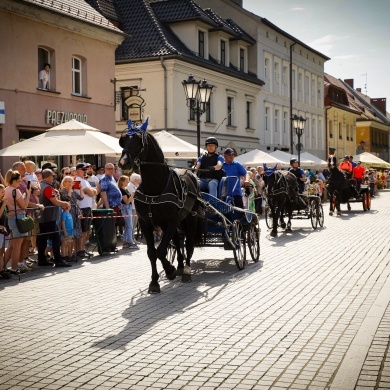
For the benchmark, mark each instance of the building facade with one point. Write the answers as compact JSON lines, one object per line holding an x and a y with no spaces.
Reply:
{"x":356,"y":123}
{"x":79,"y":44}
{"x":293,"y":74}
{"x":167,"y":42}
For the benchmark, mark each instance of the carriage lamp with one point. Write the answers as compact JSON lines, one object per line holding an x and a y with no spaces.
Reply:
{"x":198,"y":96}
{"x":298,"y":123}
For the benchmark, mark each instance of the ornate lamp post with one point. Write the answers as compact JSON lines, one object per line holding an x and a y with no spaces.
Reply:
{"x":198,"y":95}
{"x":299,"y":126}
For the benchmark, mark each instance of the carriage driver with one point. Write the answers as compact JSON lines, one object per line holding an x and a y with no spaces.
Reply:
{"x":210,"y":167}
{"x":346,"y":166}
{"x":299,"y":173}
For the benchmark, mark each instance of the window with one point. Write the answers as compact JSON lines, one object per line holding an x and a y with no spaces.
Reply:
{"x":208,"y":111}
{"x":293,"y":79}
{"x":285,"y":122}
{"x":340,"y":131}
{"x":276,"y":73}
{"x":126,"y":92}
{"x":330,"y":129}
{"x":276,"y":121}
{"x":248,"y":115}
{"x":229,"y":111}
{"x":266,"y":68}
{"x":44,"y":58}
{"x":242,"y":60}
{"x":76,"y":77}
{"x":223,"y":52}
{"x":201,"y":44}
{"x":266,"y":118}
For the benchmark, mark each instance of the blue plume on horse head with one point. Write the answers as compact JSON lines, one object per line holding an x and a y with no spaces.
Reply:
{"x":269,"y":171}
{"x":131,"y":129}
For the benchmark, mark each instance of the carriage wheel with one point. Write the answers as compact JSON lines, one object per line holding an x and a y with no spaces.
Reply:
{"x":253,"y":242}
{"x":268,"y":218}
{"x":314,"y":213}
{"x":171,"y":255}
{"x":320,"y":215}
{"x":239,"y":249}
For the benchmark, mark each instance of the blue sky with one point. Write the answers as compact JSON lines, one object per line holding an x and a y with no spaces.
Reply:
{"x":355,"y":34}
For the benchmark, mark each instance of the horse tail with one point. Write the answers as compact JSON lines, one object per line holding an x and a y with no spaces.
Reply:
{"x":201,"y":224}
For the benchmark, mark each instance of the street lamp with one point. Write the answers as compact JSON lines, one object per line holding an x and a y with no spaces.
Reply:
{"x":198,"y":95}
{"x":299,"y":126}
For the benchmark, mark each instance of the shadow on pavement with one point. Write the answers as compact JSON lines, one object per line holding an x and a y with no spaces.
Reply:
{"x":209,"y":279}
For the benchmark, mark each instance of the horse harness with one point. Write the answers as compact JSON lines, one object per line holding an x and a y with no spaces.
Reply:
{"x":177,"y":196}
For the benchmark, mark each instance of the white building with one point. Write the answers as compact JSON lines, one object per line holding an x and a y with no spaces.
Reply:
{"x":288,"y":90}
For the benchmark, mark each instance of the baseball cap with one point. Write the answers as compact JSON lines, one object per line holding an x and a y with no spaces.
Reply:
{"x":81,"y":166}
{"x":228,"y":151}
{"x":48,"y":166}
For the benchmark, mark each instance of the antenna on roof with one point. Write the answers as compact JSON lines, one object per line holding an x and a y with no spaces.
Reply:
{"x":365,"y":85}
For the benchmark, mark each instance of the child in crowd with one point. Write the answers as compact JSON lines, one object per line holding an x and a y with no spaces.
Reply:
{"x":66,"y":235}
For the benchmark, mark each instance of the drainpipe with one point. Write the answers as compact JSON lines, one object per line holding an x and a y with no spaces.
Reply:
{"x":291,"y":101}
{"x":165,"y":93}
{"x":327,"y":132}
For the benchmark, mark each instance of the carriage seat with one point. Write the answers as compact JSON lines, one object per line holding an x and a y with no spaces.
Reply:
{"x":226,"y":185}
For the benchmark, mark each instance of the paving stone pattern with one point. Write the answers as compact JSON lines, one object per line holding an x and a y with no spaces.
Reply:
{"x":287,"y":321}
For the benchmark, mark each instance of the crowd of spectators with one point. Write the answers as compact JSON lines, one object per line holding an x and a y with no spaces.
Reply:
{"x":61,"y":204}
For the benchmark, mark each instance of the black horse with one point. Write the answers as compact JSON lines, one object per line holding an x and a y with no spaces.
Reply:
{"x":167,"y":198}
{"x":282,"y":194}
{"x":340,"y":189}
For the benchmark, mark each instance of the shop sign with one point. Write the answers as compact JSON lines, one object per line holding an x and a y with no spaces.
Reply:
{"x":2,"y":113}
{"x":58,"y":117}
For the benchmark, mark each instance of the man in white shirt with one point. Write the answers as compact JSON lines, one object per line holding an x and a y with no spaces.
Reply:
{"x":44,"y":77}
{"x":94,"y":182}
{"x":85,"y":206}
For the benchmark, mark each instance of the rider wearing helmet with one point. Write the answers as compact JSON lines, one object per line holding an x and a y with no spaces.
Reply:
{"x":299,"y":173}
{"x":210,"y":167}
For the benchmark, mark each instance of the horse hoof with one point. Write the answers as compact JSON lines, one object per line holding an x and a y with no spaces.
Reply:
{"x":283,"y":225}
{"x":172,"y":275}
{"x":273,"y":234}
{"x":179,"y":272}
{"x":154,"y":288}
{"x":338,"y":213}
{"x":288,"y":230}
{"x":186,"y":278}
{"x":330,"y":213}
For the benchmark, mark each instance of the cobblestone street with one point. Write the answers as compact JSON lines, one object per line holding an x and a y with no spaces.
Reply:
{"x":313,"y":313}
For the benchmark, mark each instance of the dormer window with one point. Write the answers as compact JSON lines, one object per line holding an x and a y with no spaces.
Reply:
{"x":242,"y":60}
{"x":201,"y":44}
{"x":223,"y":52}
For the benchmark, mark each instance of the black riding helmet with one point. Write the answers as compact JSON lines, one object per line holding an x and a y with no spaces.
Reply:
{"x":293,"y":160}
{"x":211,"y":140}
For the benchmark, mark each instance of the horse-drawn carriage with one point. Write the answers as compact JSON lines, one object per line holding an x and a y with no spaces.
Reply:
{"x":169,"y":198}
{"x":342,"y":189}
{"x":284,"y":200}
{"x":313,"y":211}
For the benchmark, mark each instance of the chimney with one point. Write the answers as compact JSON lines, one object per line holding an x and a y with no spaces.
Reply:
{"x":380,"y":104}
{"x":359,"y":90}
{"x":349,"y":82}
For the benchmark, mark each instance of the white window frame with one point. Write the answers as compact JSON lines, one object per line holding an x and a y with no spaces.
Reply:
{"x":76,"y":72}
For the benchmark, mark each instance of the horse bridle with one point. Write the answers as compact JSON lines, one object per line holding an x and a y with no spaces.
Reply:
{"x":280,"y":190}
